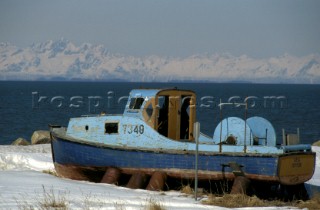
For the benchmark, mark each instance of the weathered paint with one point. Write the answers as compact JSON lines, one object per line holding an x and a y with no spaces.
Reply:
{"x":85,"y":158}
{"x":132,"y":143}
{"x":235,"y":127}
{"x":111,"y":176}
{"x":157,"y":181}
{"x":138,"y":181}
{"x":72,"y":153}
{"x":150,"y":139}
{"x":263,"y":130}
{"x":296,"y":168}
{"x":240,"y":185}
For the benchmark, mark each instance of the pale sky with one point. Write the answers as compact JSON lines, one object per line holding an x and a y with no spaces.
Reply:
{"x":168,"y":27}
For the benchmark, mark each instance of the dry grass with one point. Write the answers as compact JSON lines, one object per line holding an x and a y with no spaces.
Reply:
{"x":312,"y":204}
{"x":51,"y":172}
{"x":241,"y":200}
{"x":153,"y":204}
{"x":317,"y":143}
{"x":48,"y":200}
{"x":53,"y":201}
{"x":119,"y":206}
{"x":187,"y":190}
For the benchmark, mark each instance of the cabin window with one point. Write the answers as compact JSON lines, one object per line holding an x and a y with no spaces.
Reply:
{"x":87,"y":127}
{"x":136,"y":103}
{"x":110,"y":128}
{"x":149,"y":110}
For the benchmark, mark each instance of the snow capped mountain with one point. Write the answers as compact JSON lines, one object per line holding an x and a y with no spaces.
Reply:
{"x":62,"y":60}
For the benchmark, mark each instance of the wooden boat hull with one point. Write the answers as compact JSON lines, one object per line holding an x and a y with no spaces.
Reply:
{"x":83,"y":161}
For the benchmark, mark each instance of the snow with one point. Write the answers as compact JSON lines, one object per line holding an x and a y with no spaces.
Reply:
{"x":64,"y":59}
{"x":23,"y":184}
{"x":316,"y":176}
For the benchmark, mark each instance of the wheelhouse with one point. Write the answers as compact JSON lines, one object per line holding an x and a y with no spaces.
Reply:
{"x":171,"y":112}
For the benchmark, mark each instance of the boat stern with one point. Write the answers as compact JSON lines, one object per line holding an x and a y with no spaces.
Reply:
{"x":296,"y":168}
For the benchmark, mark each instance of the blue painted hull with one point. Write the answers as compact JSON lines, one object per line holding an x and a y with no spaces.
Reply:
{"x":150,"y":138}
{"x":72,"y":158}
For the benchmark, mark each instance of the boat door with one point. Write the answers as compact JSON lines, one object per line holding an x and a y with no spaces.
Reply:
{"x":174,"y":117}
{"x":169,"y":119}
{"x":176,"y":114}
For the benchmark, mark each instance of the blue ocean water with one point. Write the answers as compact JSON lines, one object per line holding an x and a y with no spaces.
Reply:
{"x":29,"y":106}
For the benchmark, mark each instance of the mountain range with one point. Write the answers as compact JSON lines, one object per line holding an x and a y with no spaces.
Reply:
{"x":63,"y":60}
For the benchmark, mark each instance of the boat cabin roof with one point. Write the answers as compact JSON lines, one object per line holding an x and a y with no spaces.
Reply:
{"x":143,"y":93}
{"x":139,"y":98}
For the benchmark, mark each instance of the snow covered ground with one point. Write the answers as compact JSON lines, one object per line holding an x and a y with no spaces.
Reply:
{"x":23,"y":185}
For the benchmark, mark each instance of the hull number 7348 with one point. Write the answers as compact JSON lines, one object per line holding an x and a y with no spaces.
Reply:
{"x":133,"y":129}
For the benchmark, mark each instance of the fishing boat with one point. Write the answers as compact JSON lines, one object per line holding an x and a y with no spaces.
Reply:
{"x":155,"y":139}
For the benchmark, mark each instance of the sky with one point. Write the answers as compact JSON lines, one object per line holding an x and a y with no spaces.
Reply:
{"x":178,"y":28}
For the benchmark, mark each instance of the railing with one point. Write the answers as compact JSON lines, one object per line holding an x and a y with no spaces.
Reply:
{"x":245,"y":124}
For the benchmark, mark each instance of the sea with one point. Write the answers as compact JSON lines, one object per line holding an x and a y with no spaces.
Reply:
{"x":26,"y":106}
